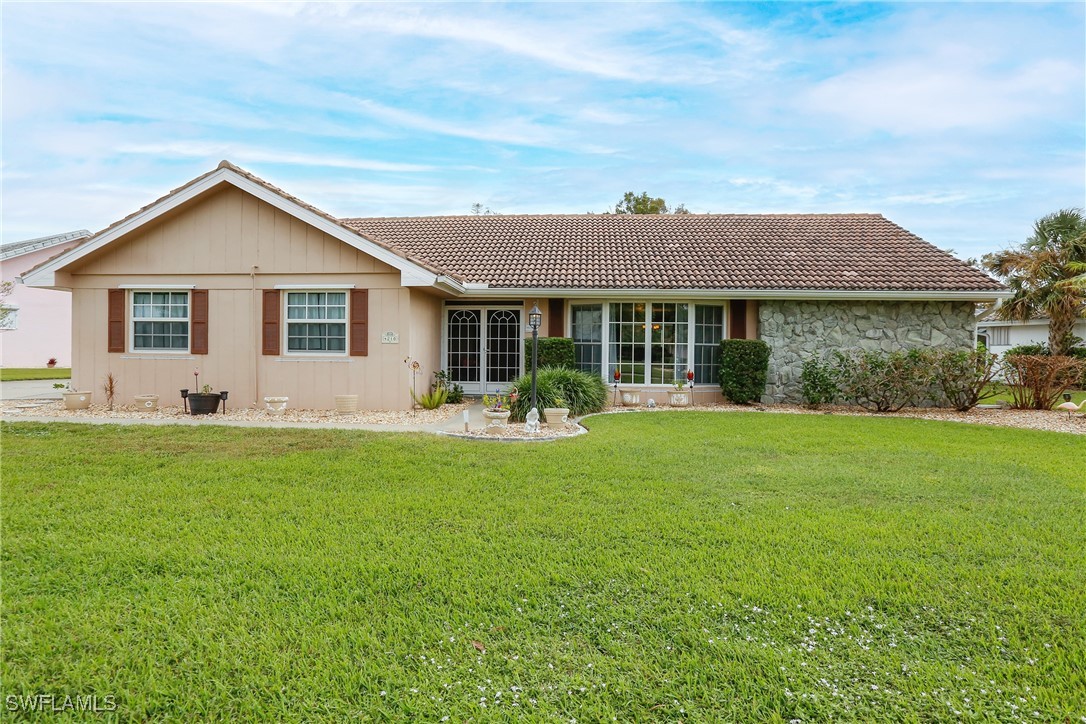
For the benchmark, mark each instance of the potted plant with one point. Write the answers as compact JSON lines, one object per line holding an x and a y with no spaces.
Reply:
{"x":51,"y":363}
{"x":631,"y":396}
{"x":204,"y":402}
{"x":73,"y":399}
{"x":557,"y":415}
{"x":680,"y":396}
{"x":496,"y":408}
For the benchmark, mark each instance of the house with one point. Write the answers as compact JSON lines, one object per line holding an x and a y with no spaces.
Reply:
{"x":38,"y":323}
{"x":1000,"y":335}
{"x":270,"y":296}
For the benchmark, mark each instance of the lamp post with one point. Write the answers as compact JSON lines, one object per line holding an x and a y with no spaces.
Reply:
{"x":535,"y":318}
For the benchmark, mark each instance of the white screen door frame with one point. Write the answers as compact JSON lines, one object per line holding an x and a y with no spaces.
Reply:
{"x":482,"y":346}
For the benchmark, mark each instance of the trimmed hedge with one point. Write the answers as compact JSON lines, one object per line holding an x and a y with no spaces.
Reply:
{"x":744,"y":365}
{"x":582,"y":392}
{"x":553,"y":352}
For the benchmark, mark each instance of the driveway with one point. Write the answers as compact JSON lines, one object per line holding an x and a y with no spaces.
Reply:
{"x":29,"y":390}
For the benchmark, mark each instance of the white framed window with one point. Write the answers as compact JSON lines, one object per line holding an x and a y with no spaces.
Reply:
{"x":160,"y":321}
{"x":708,"y":331}
{"x":649,"y":342}
{"x":586,"y":328}
{"x":316,"y":322}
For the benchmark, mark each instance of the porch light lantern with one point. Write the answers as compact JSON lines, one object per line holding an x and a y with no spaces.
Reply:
{"x":535,"y":319}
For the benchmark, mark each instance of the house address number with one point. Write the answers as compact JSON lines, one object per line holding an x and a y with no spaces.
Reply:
{"x":390,"y":338}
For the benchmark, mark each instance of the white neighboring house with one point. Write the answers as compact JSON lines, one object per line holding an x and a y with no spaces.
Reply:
{"x":1000,"y":335}
{"x":39,"y":324}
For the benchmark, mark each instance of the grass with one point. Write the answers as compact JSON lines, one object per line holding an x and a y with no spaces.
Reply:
{"x":1002,"y":396}
{"x":668,"y":566}
{"x":14,"y":374}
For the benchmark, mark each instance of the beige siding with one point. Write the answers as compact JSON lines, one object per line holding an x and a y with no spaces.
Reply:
{"x":214,"y":244}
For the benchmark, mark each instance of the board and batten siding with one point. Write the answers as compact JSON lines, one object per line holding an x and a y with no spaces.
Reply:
{"x":213,"y":244}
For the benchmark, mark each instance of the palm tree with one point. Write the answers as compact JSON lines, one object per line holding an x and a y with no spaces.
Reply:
{"x":1045,"y":275}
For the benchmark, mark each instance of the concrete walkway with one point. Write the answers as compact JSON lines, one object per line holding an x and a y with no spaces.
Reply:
{"x":30,"y":390}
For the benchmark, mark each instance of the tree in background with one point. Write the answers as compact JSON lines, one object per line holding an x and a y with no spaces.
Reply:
{"x":633,"y":204}
{"x":1045,"y":275}
{"x":6,"y":288}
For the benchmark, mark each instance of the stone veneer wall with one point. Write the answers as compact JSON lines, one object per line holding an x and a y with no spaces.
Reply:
{"x":797,"y":330}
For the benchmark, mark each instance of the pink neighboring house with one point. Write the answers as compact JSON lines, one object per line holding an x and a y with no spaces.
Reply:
{"x":40,"y":325}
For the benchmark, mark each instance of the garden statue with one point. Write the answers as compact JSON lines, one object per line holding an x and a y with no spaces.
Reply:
{"x":531,"y":422}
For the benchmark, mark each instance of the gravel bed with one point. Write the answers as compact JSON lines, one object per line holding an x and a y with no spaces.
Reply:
{"x":1052,"y":421}
{"x":1049,"y":420}
{"x":516,"y":431}
{"x":240,"y":414}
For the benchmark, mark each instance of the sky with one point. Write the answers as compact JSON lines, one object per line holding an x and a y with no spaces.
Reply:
{"x":962,"y":122}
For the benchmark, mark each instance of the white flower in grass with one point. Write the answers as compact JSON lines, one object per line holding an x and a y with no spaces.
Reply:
{"x":384,"y":693}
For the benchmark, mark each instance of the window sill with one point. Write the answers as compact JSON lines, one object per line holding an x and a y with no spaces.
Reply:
{"x":314,"y":358}
{"x":157,"y":355}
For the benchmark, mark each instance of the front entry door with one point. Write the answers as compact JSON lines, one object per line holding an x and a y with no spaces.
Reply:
{"x":483,"y":347}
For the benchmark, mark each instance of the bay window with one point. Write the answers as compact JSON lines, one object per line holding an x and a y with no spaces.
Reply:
{"x":650,"y":343}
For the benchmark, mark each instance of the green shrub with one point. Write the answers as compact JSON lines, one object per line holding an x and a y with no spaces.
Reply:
{"x":744,"y":364}
{"x":1033,"y":350}
{"x":963,"y":376}
{"x":582,"y":392}
{"x":454,"y":392}
{"x":884,"y":381}
{"x":553,"y":352}
{"x":431,"y":400}
{"x":819,"y":378}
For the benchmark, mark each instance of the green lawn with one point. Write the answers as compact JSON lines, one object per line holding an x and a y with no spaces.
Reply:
{"x":1077,"y":396}
{"x":667,"y":566}
{"x":12,"y":374}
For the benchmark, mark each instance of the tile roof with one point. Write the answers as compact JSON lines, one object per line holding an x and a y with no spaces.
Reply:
{"x":18,"y":248}
{"x":848,"y":252}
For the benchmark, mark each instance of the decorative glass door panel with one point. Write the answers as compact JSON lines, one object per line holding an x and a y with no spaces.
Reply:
{"x":463,"y":361}
{"x":503,"y":344}
{"x":483,"y":347}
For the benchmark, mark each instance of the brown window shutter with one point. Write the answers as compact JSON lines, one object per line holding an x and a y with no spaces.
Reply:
{"x":117,"y":299}
{"x":737,"y":319}
{"x":271,"y":321}
{"x":555,"y":323}
{"x":360,"y":323}
{"x":198,"y":341}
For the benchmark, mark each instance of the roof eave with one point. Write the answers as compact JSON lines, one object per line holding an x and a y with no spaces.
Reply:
{"x":971,"y":295}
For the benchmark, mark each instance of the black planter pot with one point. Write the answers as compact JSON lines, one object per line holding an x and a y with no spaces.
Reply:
{"x":201,"y":403}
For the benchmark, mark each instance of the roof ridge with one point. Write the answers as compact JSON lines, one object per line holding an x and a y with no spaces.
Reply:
{"x":857,"y":214}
